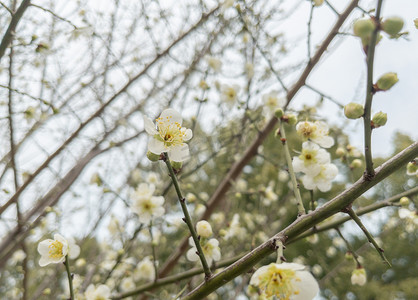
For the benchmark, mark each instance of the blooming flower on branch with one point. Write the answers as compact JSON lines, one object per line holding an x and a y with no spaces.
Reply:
{"x":214,"y":63}
{"x":229,"y":94}
{"x":54,"y":251}
{"x":145,"y":270}
{"x":316,"y":132}
{"x":210,"y":249}
{"x":169,"y":136}
{"x":272,"y":101}
{"x":322,"y":180}
{"x":284,"y":281}
{"x":204,"y":229}
{"x":102,"y":292}
{"x":311,"y":159}
{"x":145,"y":204}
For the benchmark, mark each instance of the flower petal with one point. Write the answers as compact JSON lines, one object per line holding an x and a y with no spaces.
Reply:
{"x":149,"y":126}
{"x":179,"y":153}
{"x":188,"y":134}
{"x":171,"y":115}
{"x":306,"y":285}
{"x":156,"y":146}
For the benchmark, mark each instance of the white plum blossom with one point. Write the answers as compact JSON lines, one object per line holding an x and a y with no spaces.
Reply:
{"x":127,"y":284}
{"x":169,"y":136}
{"x":210,"y":248}
{"x":101,"y":292}
{"x":316,"y":132}
{"x":214,"y":63}
{"x":18,"y":256}
{"x":204,"y":229}
{"x":322,"y":180}
{"x":145,"y":204}
{"x":55,"y":251}
{"x":284,"y":281}
{"x":311,"y":159}
{"x":272,"y":101}
{"x":358,"y":276}
{"x":145,"y":270}
{"x":269,"y":195}
{"x":229,"y":94}
{"x":235,"y":229}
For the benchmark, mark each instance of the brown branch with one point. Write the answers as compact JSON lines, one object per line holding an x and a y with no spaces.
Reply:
{"x":7,"y":37}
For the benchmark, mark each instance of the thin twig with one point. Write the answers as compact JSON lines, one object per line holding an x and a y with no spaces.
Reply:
{"x":356,"y":219}
{"x":187,"y":219}
{"x":369,"y":96}
{"x":70,"y":278}
{"x":295,"y":184}
{"x":350,"y":249}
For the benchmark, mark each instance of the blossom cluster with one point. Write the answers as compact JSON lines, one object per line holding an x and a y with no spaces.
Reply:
{"x":314,"y":161}
{"x":210,"y":246}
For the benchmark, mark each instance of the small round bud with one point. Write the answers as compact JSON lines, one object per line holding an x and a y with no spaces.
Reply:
{"x":292,"y":119}
{"x":204,"y":229}
{"x":353,"y":110}
{"x":404,"y":201}
{"x":392,"y":25}
{"x":152,"y":156}
{"x":363,"y":28}
{"x":348,"y":255}
{"x":386,"y":81}
{"x":379,"y":119}
{"x":412,"y":168}
{"x":279,"y":113}
{"x":223,"y":232}
{"x":177,"y":165}
{"x":190,"y":197}
{"x":356,"y":163}
{"x":340,"y":152}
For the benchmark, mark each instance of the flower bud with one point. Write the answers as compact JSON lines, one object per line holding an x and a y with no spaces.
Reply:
{"x":318,"y":2}
{"x":404,"y":201}
{"x":363,"y":28}
{"x":356,"y":163}
{"x":152,"y":156}
{"x":349,"y":255}
{"x":177,"y":165}
{"x":412,"y":168}
{"x":379,"y":119}
{"x":386,"y":81}
{"x":392,"y":26}
{"x":292,"y":119}
{"x":353,"y":110}
{"x":96,"y":179}
{"x":204,"y":229}
{"x":279,"y":113}
{"x":416,"y":23}
{"x":340,"y":152}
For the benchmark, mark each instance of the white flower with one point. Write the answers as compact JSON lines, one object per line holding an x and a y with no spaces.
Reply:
{"x":272,"y":101}
{"x":359,"y":277}
{"x":235,"y":229}
{"x":170,"y":136}
{"x":285,"y":281}
{"x":311,"y":159}
{"x":210,"y":248}
{"x":145,"y":204}
{"x":102,"y":292}
{"x":18,"y":256}
{"x":229,"y":94}
{"x":269,"y":196}
{"x":145,"y":270}
{"x":153,"y":178}
{"x":127,"y":284}
{"x":204,"y":229}
{"x":316,"y":132}
{"x":54,"y":251}
{"x":322,"y":180}
{"x":214,"y":63}
{"x":227,"y":4}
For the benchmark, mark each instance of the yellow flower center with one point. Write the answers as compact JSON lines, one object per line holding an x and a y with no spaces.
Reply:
{"x":55,"y":249}
{"x":170,"y":132}
{"x":278,"y":282}
{"x":307,"y":130}
{"x":308,"y":156}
